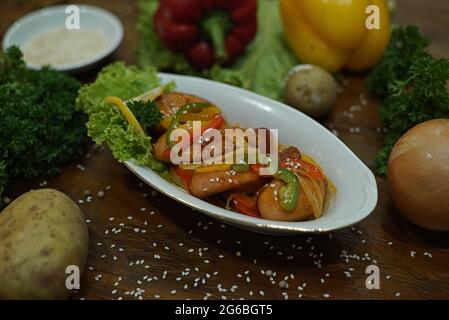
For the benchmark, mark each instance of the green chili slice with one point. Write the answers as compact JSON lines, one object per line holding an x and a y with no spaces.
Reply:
{"x":240,"y":167}
{"x":187,"y":108}
{"x":288,"y":195}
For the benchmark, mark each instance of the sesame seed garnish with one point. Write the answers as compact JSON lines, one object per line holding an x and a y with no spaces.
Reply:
{"x":283,"y":284}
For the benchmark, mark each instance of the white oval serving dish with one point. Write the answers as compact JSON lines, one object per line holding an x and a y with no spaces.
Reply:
{"x":356,"y":195}
{"x":49,"y":18}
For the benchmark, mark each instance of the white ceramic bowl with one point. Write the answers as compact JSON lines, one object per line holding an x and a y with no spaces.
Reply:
{"x":53,"y":17}
{"x":356,"y":195}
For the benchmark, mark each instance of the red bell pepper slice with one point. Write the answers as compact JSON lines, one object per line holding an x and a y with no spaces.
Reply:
{"x":216,"y":123}
{"x":310,"y":168}
{"x":185,"y":175}
{"x":255,"y":168}
{"x":245,"y":205}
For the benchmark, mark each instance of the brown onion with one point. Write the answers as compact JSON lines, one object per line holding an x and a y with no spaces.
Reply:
{"x":418,"y":175}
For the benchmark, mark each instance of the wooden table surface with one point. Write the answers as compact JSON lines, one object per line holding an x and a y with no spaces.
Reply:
{"x":145,"y":244}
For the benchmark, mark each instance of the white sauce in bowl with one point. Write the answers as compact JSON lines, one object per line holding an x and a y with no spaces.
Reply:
{"x":61,"y":47}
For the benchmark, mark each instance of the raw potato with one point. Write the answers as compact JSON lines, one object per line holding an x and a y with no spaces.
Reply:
{"x":311,"y":89}
{"x":41,"y":233}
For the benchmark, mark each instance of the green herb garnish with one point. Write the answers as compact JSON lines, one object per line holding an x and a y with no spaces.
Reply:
{"x":40,"y":129}
{"x":107,"y":125}
{"x":147,"y":113}
{"x":413,"y":85}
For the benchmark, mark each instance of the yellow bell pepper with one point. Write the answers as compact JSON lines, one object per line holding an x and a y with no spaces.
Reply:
{"x":126,"y":112}
{"x":213,"y":168}
{"x":199,"y":168}
{"x":333,"y":33}
{"x":205,"y":115}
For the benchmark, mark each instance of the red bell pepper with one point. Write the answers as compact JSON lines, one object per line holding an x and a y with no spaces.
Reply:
{"x":216,"y":123}
{"x":255,"y":168}
{"x":185,"y":176}
{"x":206,"y":31}
{"x":245,"y":205}
{"x":298,"y":165}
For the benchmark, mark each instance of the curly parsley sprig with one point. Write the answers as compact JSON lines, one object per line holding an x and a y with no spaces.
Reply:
{"x":40,"y":129}
{"x":413,"y":85}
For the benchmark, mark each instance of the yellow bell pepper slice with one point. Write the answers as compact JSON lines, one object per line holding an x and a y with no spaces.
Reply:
{"x":205,"y":115}
{"x":151,"y":95}
{"x":213,"y":168}
{"x":189,"y":167}
{"x":129,"y":116}
{"x":165,"y":122}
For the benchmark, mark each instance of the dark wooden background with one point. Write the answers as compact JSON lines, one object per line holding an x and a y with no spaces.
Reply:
{"x":170,"y":252}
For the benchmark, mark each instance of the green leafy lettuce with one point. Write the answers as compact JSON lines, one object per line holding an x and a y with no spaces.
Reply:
{"x":107,"y":125}
{"x":262,"y":69}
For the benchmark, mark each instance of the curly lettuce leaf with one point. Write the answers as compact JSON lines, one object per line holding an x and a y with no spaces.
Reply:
{"x":106,"y":124}
{"x":122,"y":139}
{"x":119,"y":80}
{"x":264,"y":68}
